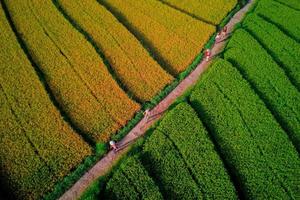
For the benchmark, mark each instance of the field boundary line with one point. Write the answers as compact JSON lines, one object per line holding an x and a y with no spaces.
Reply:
{"x":106,"y":163}
{"x":43,"y":80}
{"x":187,"y":13}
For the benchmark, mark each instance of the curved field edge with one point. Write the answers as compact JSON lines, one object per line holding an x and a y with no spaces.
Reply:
{"x":102,"y":148}
{"x":112,"y":39}
{"x":33,"y":153}
{"x":94,"y":189}
{"x":267,"y":165}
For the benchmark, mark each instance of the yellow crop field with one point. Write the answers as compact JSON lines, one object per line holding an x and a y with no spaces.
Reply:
{"x":38,"y":147}
{"x":212,"y":11}
{"x":76,"y":74}
{"x":176,"y":37}
{"x":125,"y":53}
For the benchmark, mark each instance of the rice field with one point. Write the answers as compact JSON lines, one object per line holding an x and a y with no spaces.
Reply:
{"x":74,"y":73}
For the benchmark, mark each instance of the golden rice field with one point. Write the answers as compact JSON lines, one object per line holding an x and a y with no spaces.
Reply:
{"x":73,"y":73}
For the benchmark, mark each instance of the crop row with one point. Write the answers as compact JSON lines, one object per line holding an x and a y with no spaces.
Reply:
{"x":283,"y":48}
{"x":174,"y":38}
{"x":38,"y":147}
{"x":207,"y":10}
{"x":186,"y":131}
{"x":255,"y":147}
{"x":291,"y":3}
{"x":141,"y":74}
{"x":74,"y":71}
{"x":180,"y":158}
{"x":287,"y":20}
{"x":168,"y":168}
{"x":268,"y":79}
{"x":131,"y":181}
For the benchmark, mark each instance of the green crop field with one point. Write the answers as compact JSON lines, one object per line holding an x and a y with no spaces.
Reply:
{"x":236,"y":134}
{"x":75,"y":74}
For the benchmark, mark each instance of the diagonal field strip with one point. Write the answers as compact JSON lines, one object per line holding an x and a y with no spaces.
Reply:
{"x":106,"y":163}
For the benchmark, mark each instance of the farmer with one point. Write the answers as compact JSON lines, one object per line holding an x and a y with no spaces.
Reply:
{"x":207,"y":54}
{"x":147,"y":113}
{"x":218,"y":36}
{"x":113,"y":145}
{"x":224,"y":31}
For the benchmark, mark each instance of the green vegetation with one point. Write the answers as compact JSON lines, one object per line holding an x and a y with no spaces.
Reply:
{"x":166,"y":157}
{"x":182,"y":126}
{"x":84,"y":68}
{"x":247,"y":145}
{"x":253,"y":144}
{"x":131,"y":181}
{"x":294,"y":4}
{"x":284,"y":17}
{"x":282,"y":48}
{"x":268,"y":79}
{"x":168,"y":168}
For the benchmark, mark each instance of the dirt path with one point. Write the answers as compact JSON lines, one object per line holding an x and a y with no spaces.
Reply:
{"x":106,"y":163}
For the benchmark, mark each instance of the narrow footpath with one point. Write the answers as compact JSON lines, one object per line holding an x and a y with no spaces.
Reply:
{"x":107,"y":162}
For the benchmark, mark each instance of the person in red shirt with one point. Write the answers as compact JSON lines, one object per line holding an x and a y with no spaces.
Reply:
{"x":207,"y":54}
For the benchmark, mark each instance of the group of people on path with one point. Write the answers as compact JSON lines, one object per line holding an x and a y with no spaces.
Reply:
{"x":220,"y":35}
{"x":113,"y":145}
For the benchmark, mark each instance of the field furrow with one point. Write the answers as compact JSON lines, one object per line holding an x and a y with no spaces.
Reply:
{"x":268,"y":80}
{"x":136,"y":178}
{"x":293,"y":4}
{"x":174,"y":39}
{"x":288,"y":20}
{"x":38,"y":148}
{"x":130,"y":61}
{"x":282,"y":48}
{"x":193,"y":143}
{"x":257,"y":149}
{"x":211,"y":11}
{"x":79,"y":80}
{"x":166,"y":166}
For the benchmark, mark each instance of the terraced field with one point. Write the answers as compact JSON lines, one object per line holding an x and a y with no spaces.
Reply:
{"x":235,"y":135}
{"x":74,"y":73}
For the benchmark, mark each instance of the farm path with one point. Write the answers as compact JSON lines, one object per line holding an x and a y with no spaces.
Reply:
{"x":107,"y":162}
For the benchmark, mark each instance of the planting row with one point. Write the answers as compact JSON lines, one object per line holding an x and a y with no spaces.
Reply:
{"x":131,"y":181}
{"x":294,"y":4}
{"x":255,"y":158}
{"x":133,"y":65}
{"x":282,"y":48}
{"x":174,"y":38}
{"x":38,"y":148}
{"x":79,"y":79}
{"x":268,"y":80}
{"x":258,"y":152}
{"x":284,"y":17}
{"x":206,"y":10}
{"x":181,"y":160}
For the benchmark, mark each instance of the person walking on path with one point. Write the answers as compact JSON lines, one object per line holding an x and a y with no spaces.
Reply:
{"x":224,"y":32}
{"x":113,"y":145}
{"x":207,"y":54}
{"x":147,"y":114}
{"x":218,"y":36}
